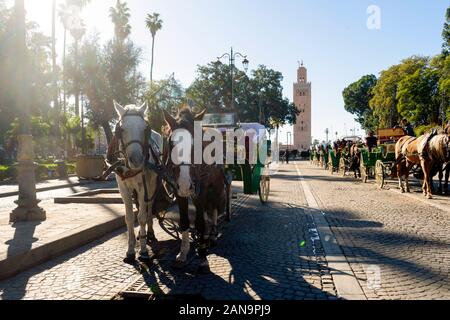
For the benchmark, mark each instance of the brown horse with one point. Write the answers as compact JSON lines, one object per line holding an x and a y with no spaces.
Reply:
{"x":410,"y":151}
{"x":205,"y":184}
{"x":355,"y":160}
{"x":440,"y":155}
{"x":407,"y":155}
{"x":447,"y":166}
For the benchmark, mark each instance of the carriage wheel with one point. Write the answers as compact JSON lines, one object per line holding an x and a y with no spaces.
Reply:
{"x":170,"y":227}
{"x":380,"y":172}
{"x":330,"y":167}
{"x":264,"y":189}
{"x":342,"y":167}
{"x":364,"y":173}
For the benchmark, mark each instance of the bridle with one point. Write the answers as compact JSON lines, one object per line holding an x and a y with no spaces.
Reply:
{"x":170,"y":166}
{"x":123,"y":146}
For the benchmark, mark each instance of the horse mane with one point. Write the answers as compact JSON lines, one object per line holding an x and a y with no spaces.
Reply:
{"x":447,"y":128}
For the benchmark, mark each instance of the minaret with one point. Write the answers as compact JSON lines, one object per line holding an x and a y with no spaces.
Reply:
{"x":302,"y":100}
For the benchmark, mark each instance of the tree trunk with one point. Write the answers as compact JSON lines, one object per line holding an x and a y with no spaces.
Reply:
{"x":77,"y":82}
{"x":108,"y":132}
{"x":151,"y":68}
{"x":64,"y":72}
{"x":56,"y":110}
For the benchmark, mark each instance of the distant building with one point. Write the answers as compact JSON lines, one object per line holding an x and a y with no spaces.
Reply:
{"x":302,"y":100}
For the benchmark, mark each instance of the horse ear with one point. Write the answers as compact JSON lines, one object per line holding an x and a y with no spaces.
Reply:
{"x":143,"y":109}
{"x":119,"y":109}
{"x":200,"y":116}
{"x":170,"y":120}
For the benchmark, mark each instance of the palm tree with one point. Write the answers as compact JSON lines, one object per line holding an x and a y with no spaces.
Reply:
{"x":56,"y":111}
{"x":63,"y":13}
{"x":66,"y":13}
{"x":120,"y":16}
{"x":154,"y":24}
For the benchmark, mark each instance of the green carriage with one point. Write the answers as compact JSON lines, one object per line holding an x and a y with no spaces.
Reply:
{"x":254,"y":170}
{"x":380,"y":162}
{"x":333,"y":161}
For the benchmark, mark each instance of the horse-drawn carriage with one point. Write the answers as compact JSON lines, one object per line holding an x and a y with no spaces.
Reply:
{"x":384,"y":156}
{"x":254,"y":170}
{"x":379,"y":163}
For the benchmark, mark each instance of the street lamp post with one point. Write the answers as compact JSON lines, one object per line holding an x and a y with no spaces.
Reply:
{"x":289,"y":140}
{"x":27,"y":204}
{"x":232,"y":59}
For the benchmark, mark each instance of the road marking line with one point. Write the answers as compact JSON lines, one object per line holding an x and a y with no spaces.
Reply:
{"x":346,"y":283}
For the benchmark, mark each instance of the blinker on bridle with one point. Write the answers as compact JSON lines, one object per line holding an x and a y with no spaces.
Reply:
{"x":144,"y":145}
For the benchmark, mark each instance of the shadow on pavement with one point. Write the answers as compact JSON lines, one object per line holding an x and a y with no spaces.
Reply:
{"x":15,"y":288}
{"x":21,"y":242}
{"x":259,"y":256}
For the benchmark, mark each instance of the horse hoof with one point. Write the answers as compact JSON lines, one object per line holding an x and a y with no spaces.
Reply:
{"x":144,"y":257}
{"x":403,"y":191}
{"x":130,"y":259}
{"x":177,"y":264}
{"x":430,"y":197}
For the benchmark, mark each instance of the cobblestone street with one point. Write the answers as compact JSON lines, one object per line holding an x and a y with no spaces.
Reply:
{"x":407,"y":240}
{"x":273,"y":251}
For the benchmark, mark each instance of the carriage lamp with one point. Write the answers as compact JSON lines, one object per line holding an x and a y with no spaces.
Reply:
{"x":246,"y":63}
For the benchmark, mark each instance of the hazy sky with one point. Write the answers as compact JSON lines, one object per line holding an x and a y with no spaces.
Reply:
{"x":331,"y":37}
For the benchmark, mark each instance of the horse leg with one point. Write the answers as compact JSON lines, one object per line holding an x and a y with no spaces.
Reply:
{"x":183,"y":206}
{"x":426,"y":179}
{"x":400,"y":178}
{"x":142,"y":220}
{"x":152,"y":188}
{"x":221,"y":207}
{"x":213,"y":231}
{"x":447,"y":175}
{"x":129,"y":219}
{"x":151,"y":238}
{"x":408,"y":170}
{"x":441,"y":176}
{"x":200,"y":224}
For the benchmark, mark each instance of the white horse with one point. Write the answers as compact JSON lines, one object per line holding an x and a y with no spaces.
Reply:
{"x":133,"y":138}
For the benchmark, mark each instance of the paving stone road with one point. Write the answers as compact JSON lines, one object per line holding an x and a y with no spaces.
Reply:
{"x":398,"y":248}
{"x":259,"y":256}
{"x":406,"y":240}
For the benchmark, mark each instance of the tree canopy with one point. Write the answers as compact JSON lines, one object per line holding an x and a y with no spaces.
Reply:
{"x":357,"y":98}
{"x":261,"y":91}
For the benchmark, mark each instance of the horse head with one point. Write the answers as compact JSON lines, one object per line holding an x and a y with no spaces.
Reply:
{"x":180,"y":130}
{"x":132,"y":134}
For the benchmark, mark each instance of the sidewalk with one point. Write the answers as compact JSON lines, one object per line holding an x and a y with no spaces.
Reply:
{"x":10,"y":190}
{"x":68,"y":226}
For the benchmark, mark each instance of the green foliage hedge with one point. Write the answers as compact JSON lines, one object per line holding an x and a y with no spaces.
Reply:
{"x":420,"y":130}
{"x":43,"y":171}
